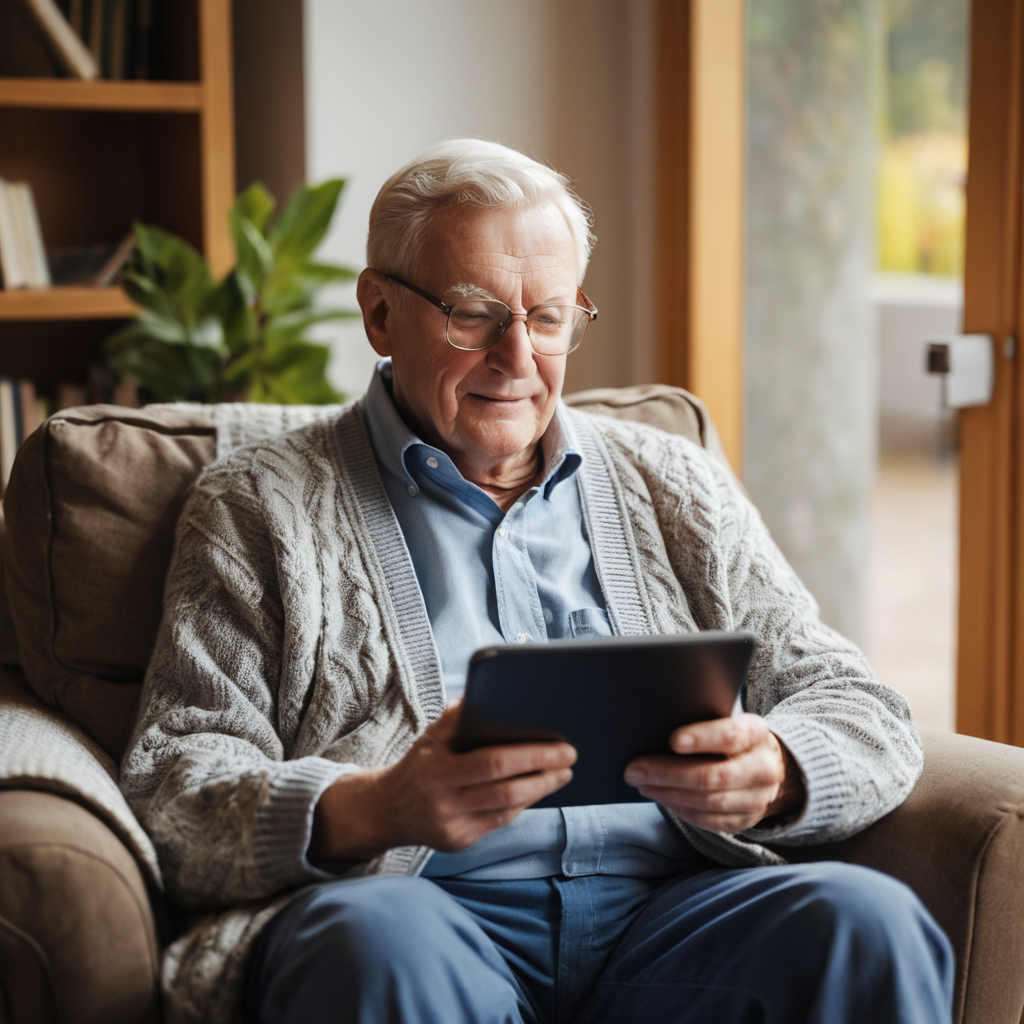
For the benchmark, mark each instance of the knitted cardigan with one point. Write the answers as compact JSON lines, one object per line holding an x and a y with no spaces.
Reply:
{"x":295,"y":647}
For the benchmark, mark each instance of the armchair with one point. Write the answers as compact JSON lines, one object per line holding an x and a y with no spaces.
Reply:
{"x":90,"y":513}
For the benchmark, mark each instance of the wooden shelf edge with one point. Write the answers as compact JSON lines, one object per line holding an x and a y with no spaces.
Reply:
{"x":65,"y":304}
{"x":70,"y":94}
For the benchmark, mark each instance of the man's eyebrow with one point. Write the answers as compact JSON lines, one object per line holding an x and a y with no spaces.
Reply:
{"x":472,"y":291}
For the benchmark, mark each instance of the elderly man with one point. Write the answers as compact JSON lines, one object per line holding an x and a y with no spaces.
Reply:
{"x":293,"y":756}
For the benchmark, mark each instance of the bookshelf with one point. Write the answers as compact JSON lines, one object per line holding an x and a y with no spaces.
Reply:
{"x":101,"y":154}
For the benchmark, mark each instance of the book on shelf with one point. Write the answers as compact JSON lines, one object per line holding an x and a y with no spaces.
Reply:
{"x":64,"y":42}
{"x":22,"y":254}
{"x":90,"y":39}
{"x":90,"y":266}
{"x":21,"y":412}
{"x":101,"y":387}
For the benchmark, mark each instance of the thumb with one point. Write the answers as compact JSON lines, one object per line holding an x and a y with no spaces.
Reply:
{"x":444,"y":728}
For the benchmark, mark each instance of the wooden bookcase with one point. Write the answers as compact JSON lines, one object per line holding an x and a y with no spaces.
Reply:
{"x":100,"y":155}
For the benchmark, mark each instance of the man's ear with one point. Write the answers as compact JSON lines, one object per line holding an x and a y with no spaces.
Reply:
{"x":370,"y":293}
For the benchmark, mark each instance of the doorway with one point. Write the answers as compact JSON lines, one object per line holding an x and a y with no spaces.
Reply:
{"x":917,"y":292}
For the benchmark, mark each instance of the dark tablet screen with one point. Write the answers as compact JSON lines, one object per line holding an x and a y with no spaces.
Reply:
{"x":613,"y":699}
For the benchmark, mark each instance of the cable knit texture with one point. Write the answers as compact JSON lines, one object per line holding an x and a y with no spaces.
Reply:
{"x":295,"y":647}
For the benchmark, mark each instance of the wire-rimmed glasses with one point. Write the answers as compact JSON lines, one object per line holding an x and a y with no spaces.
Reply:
{"x":555,"y":329}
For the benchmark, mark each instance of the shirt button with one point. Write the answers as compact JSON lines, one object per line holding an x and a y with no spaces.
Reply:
{"x":501,"y":533}
{"x":413,"y":490}
{"x":523,"y":638}
{"x":432,"y":462}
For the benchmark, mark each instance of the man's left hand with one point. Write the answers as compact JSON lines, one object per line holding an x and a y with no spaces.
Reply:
{"x":726,"y":775}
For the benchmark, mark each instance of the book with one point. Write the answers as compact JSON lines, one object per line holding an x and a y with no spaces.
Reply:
{"x":67,"y":47}
{"x":111,"y":270}
{"x":96,"y":32}
{"x":94,"y":266}
{"x":8,"y":430}
{"x":142,"y":40}
{"x":14,"y":272}
{"x":69,"y":394}
{"x":23,"y":52}
{"x":108,"y":28}
{"x":119,"y":38}
{"x":31,"y":418}
{"x":21,"y":413}
{"x":30,"y":236}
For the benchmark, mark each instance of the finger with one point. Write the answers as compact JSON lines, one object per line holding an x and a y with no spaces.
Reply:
{"x":753,"y":769}
{"x":731,"y":824}
{"x":509,"y":794}
{"x":720,"y":735}
{"x":723,"y":802}
{"x":489,"y":764}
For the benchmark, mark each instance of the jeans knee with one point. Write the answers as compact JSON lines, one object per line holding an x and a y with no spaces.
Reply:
{"x":867,"y":910}
{"x":373,"y":921}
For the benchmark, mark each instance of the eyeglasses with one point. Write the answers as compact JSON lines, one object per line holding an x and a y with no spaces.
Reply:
{"x":474,"y":324}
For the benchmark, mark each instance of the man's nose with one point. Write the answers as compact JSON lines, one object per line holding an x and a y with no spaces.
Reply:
{"x":512,"y":353}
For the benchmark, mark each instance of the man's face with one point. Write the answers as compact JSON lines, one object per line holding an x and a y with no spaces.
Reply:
{"x":486,"y":407}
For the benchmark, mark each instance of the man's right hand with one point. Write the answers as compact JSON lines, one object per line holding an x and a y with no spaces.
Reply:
{"x":434,"y":796}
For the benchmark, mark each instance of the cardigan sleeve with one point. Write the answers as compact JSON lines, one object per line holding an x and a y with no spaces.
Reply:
{"x":207,"y":773}
{"x":852,"y":737}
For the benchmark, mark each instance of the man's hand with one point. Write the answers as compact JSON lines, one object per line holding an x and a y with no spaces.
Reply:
{"x":435,"y":796}
{"x":726,"y":775}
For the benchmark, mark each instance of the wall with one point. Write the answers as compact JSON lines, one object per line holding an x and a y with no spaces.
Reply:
{"x":567,"y":82}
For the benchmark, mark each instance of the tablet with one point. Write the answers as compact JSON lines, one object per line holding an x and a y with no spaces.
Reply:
{"x":613,"y":699}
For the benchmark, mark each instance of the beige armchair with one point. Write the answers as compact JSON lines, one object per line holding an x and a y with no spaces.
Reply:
{"x":90,"y":513}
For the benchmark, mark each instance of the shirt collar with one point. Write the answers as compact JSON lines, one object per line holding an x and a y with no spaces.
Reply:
{"x":393,"y":442}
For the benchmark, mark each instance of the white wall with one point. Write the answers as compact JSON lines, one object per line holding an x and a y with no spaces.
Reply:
{"x":567,"y":81}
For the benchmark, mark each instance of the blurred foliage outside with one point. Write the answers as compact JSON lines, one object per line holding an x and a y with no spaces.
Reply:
{"x":922,"y":164}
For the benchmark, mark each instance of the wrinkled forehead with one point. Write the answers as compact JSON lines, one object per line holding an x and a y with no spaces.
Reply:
{"x":470,"y":246}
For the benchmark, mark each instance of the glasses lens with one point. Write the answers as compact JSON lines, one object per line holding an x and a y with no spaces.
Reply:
{"x":556,"y":330}
{"x":477,"y":323}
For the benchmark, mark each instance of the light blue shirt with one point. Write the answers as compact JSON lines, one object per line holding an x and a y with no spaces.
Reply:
{"x":492,"y":577}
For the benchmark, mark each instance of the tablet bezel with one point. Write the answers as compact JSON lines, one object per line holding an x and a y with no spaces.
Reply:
{"x":535,"y":692}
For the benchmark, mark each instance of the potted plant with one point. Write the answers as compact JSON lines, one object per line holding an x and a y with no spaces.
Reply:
{"x":244,"y":337}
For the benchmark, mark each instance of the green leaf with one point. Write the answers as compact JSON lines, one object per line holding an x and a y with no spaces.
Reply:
{"x":175,"y":268}
{"x":169,"y":373}
{"x":305,"y":220}
{"x":295,"y":286}
{"x":255,"y":259}
{"x":326,"y":273}
{"x":293,"y":325}
{"x":230,"y":304}
{"x":255,"y":204}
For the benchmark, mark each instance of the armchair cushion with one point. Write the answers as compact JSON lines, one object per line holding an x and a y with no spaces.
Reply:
{"x":91,"y":508}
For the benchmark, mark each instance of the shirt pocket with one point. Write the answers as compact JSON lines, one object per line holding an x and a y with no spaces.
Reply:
{"x":587,"y":622}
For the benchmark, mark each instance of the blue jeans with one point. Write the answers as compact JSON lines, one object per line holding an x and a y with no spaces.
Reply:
{"x":826,"y":943}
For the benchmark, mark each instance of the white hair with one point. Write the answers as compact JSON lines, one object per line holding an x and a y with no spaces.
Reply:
{"x":466,"y":172}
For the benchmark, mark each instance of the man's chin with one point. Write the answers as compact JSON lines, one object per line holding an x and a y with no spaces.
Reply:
{"x":504,"y":441}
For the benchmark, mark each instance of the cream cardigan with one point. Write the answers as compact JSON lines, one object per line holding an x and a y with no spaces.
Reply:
{"x":295,"y":647}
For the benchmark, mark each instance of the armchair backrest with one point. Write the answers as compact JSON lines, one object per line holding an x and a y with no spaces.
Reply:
{"x":90,"y":512}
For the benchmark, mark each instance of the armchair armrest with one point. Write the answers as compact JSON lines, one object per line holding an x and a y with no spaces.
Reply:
{"x":78,"y":939}
{"x":77,"y":935}
{"x":958,"y":842}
